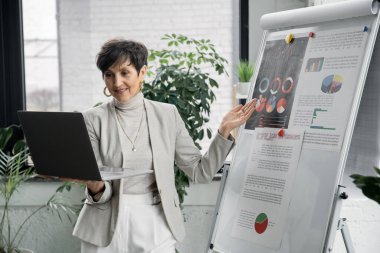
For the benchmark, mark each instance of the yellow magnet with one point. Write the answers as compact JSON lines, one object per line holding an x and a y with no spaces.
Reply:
{"x":289,"y":38}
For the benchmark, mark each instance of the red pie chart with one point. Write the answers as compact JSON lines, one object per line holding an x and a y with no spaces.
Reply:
{"x":261,"y":223}
{"x":281,"y":105}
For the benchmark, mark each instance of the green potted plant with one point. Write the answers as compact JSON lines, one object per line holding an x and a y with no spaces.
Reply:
{"x":14,"y":171}
{"x":370,"y":185}
{"x":245,"y":73}
{"x":180,"y":79}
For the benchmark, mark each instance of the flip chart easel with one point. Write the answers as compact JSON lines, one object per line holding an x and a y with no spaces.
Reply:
{"x":332,"y":47}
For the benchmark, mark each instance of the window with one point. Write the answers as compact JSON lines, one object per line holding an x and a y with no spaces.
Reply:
{"x":41,"y":55}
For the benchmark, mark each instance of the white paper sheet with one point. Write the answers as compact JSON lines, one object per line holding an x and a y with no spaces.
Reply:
{"x":326,"y":86}
{"x":265,"y":194}
{"x":310,"y":15}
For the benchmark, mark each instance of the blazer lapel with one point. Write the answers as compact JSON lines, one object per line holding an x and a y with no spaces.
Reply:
{"x":154,"y":134}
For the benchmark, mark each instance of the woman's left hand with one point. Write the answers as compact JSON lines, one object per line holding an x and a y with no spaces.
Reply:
{"x":236,"y":117}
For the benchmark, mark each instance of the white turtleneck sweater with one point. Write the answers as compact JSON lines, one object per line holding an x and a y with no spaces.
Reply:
{"x":132,"y":118}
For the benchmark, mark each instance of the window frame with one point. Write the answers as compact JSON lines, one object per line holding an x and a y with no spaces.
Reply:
{"x":244,"y":30}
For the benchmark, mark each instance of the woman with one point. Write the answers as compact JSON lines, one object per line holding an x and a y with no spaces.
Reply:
{"x":141,"y":213}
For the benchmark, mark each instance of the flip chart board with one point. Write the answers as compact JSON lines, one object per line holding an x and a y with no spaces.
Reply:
{"x":283,"y":185}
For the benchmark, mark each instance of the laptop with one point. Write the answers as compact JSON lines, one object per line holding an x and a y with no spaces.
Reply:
{"x":60,"y":146}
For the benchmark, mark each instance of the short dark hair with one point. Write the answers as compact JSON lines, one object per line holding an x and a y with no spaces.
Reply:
{"x":120,"y":50}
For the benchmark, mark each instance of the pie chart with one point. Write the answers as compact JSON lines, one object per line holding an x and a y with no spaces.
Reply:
{"x":332,"y":84}
{"x":281,"y":105}
{"x":260,"y":104}
{"x":261,"y":223}
{"x":271,"y":104}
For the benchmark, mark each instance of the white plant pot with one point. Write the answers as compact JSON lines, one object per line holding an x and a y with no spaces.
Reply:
{"x":243,"y":88}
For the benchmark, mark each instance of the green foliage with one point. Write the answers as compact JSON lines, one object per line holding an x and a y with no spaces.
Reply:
{"x":13,"y":173}
{"x":180,"y":80}
{"x":370,"y":185}
{"x":245,"y":71}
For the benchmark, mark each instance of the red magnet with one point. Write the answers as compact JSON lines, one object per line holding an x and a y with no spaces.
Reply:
{"x":311,"y":34}
{"x":281,"y":132}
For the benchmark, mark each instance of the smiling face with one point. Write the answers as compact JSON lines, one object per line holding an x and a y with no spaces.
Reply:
{"x":123,"y":81}
{"x":123,"y":64}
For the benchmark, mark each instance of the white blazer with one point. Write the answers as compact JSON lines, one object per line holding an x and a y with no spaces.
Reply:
{"x":170,"y":142}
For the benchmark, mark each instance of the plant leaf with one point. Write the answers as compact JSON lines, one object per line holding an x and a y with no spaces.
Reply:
{"x":5,"y":135}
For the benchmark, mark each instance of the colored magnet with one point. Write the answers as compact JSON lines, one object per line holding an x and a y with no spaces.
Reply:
{"x":281,"y":132}
{"x":311,"y":34}
{"x":365,"y":28}
{"x":289,"y":38}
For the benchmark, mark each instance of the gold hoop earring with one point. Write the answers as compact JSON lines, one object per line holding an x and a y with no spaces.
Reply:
{"x":105,"y":92}
{"x":141,"y":83}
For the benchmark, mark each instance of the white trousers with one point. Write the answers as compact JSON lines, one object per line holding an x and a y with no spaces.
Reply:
{"x":141,"y":228}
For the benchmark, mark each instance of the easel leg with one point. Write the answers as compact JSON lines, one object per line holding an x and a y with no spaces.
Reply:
{"x":343,"y":226}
